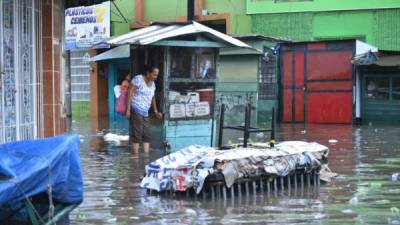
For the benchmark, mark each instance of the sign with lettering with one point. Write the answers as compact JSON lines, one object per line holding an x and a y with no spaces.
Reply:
{"x":87,"y":26}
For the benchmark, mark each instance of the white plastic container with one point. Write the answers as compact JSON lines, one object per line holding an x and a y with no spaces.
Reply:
{"x":194,"y":97}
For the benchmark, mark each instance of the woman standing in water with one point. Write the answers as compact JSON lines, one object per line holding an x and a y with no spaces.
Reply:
{"x":140,"y":99}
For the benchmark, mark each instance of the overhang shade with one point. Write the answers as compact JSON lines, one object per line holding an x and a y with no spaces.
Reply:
{"x":161,"y":32}
{"x":122,"y":51}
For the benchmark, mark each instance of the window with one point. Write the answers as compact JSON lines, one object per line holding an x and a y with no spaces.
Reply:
{"x":267,"y":77}
{"x":181,"y":62}
{"x":377,"y":88}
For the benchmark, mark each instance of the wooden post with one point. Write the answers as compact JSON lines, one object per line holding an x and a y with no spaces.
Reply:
{"x":247,"y":116}
{"x":221,"y":126}
{"x":190,"y":10}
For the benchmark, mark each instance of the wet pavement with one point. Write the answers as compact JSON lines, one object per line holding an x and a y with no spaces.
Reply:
{"x":365,"y":157}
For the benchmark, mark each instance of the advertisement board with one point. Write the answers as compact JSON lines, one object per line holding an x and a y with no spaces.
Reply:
{"x":87,"y":26}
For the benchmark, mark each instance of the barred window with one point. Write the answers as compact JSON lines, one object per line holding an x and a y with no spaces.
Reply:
{"x":267,"y":77}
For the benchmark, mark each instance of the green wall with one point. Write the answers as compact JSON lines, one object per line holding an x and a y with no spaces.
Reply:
{"x":162,"y":10}
{"x":351,"y":24}
{"x":238,"y":68}
{"x":118,"y":24}
{"x":380,"y":28}
{"x":273,"y":6}
{"x":386,"y":29}
{"x":296,"y":26}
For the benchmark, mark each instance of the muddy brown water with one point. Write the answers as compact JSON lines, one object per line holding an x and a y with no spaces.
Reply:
{"x":365,"y":157}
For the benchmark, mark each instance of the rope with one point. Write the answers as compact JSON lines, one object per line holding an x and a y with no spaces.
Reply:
{"x":49,"y":191}
{"x":29,"y":202}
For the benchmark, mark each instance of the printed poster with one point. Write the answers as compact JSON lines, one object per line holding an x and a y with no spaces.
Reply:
{"x":87,"y":26}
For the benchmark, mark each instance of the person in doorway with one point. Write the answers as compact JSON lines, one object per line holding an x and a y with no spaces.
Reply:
{"x":121,"y":93}
{"x":126,"y":83}
{"x":141,"y":97}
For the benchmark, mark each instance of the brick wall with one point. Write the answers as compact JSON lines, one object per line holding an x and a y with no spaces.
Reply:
{"x":52,"y":17}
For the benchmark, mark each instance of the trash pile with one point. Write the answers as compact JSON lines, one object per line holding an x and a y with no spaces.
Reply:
{"x":189,"y":168}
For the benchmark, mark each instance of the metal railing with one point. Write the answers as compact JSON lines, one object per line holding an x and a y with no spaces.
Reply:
{"x":247,"y":128}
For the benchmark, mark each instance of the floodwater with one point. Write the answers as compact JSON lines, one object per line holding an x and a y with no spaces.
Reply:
{"x":364,"y":193}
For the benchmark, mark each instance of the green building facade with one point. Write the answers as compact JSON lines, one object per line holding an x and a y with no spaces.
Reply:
{"x":371,"y":21}
{"x":175,"y":10}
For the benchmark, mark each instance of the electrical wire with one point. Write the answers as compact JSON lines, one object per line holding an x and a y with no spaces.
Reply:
{"x":119,"y":11}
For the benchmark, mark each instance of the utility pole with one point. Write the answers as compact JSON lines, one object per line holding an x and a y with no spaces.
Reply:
{"x":190,"y":10}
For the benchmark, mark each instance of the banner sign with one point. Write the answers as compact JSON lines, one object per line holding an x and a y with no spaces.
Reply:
{"x":87,"y":26}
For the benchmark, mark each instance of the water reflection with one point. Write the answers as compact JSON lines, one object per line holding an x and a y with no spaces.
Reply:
{"x":365,"y":157}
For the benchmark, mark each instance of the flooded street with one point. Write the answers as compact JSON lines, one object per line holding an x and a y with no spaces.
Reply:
{"x":365,"y":157}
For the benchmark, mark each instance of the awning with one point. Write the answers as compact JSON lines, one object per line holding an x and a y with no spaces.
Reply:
{"x":240,"y":51}
{"x":122,"y":51}
{"x":159,"y":32}
{"x":388,"y":60}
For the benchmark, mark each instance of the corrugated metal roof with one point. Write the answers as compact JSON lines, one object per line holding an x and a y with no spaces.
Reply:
{"x":240,"y":51}
{"x":122,"y":51}
{"x":161,"y":31}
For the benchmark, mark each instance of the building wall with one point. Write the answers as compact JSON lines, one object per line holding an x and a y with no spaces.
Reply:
{"x":377,"y":27}
{"x":118,"y":24}
{"x":31,"y":94}
{"x":237,"y":86}
{"x":285,"y":6}
{"x":98,"y":94}
{"x":171,"y":10}
{"x":54,"y":121}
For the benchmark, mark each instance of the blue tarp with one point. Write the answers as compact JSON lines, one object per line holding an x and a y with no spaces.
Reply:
{"x":28,"y":167}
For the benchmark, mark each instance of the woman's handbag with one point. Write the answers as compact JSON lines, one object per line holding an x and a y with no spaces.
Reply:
{"x":120,"y":106}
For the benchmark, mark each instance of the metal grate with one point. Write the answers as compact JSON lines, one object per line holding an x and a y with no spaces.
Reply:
{"x":267,"y":78}
{"x":18,"y":91}
{"x":80,"y":76}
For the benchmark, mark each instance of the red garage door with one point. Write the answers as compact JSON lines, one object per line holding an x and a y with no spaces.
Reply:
{"x":317,"y":80}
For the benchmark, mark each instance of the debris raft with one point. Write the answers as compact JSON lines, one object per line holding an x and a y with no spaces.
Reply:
{"x":254,"y":168}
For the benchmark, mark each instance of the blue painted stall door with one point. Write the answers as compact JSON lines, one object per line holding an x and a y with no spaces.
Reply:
{"x":180,"y":134}
{"x":118,"y":124}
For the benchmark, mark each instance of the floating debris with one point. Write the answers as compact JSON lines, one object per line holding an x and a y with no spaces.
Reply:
{"x":395,"y":210}
{"x":395,"y":177}
{"x":117,"y":139}
{"x":242,"y":171}
{"x":347,"y":211}
{"x":353,"y":200}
